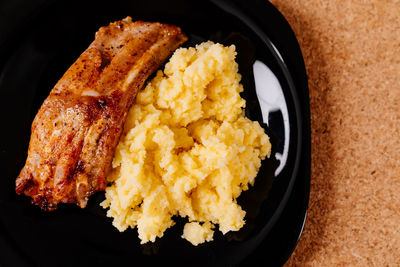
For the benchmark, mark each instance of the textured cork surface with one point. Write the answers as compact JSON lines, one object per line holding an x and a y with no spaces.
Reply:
{"x":352,"y":55}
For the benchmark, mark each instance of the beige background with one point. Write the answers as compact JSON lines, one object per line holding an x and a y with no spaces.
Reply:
{"x":352,"y":55}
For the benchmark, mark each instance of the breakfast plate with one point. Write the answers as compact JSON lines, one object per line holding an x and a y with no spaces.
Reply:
{"x":43,"y":39}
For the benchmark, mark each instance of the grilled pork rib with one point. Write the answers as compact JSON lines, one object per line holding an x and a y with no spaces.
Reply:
{"x":77,"y":128}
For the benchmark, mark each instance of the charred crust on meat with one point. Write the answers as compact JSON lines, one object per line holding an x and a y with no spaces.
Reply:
{"x":102,"y":103}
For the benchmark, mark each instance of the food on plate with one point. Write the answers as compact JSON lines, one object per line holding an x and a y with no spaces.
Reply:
{"x":187,"y":149}
{"x":196,"y":233}
{"x":77,"y":128}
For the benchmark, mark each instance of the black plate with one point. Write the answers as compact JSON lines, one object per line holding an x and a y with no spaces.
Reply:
{"x":41,"y":40}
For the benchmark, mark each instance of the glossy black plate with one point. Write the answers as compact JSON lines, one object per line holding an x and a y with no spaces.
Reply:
{"x":40,"y":40}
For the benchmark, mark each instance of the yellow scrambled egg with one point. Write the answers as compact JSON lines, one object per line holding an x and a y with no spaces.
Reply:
{"x":187,"y":149}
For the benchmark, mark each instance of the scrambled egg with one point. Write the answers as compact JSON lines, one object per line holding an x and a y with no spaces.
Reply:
{"x":187,"y":149}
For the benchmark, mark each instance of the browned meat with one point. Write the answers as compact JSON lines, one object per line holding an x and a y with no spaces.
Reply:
{"x":76,"y":130}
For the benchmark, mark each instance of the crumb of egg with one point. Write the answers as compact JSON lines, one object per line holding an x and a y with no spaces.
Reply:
{"x":187,"y":149}
{"x":197,"y":234}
